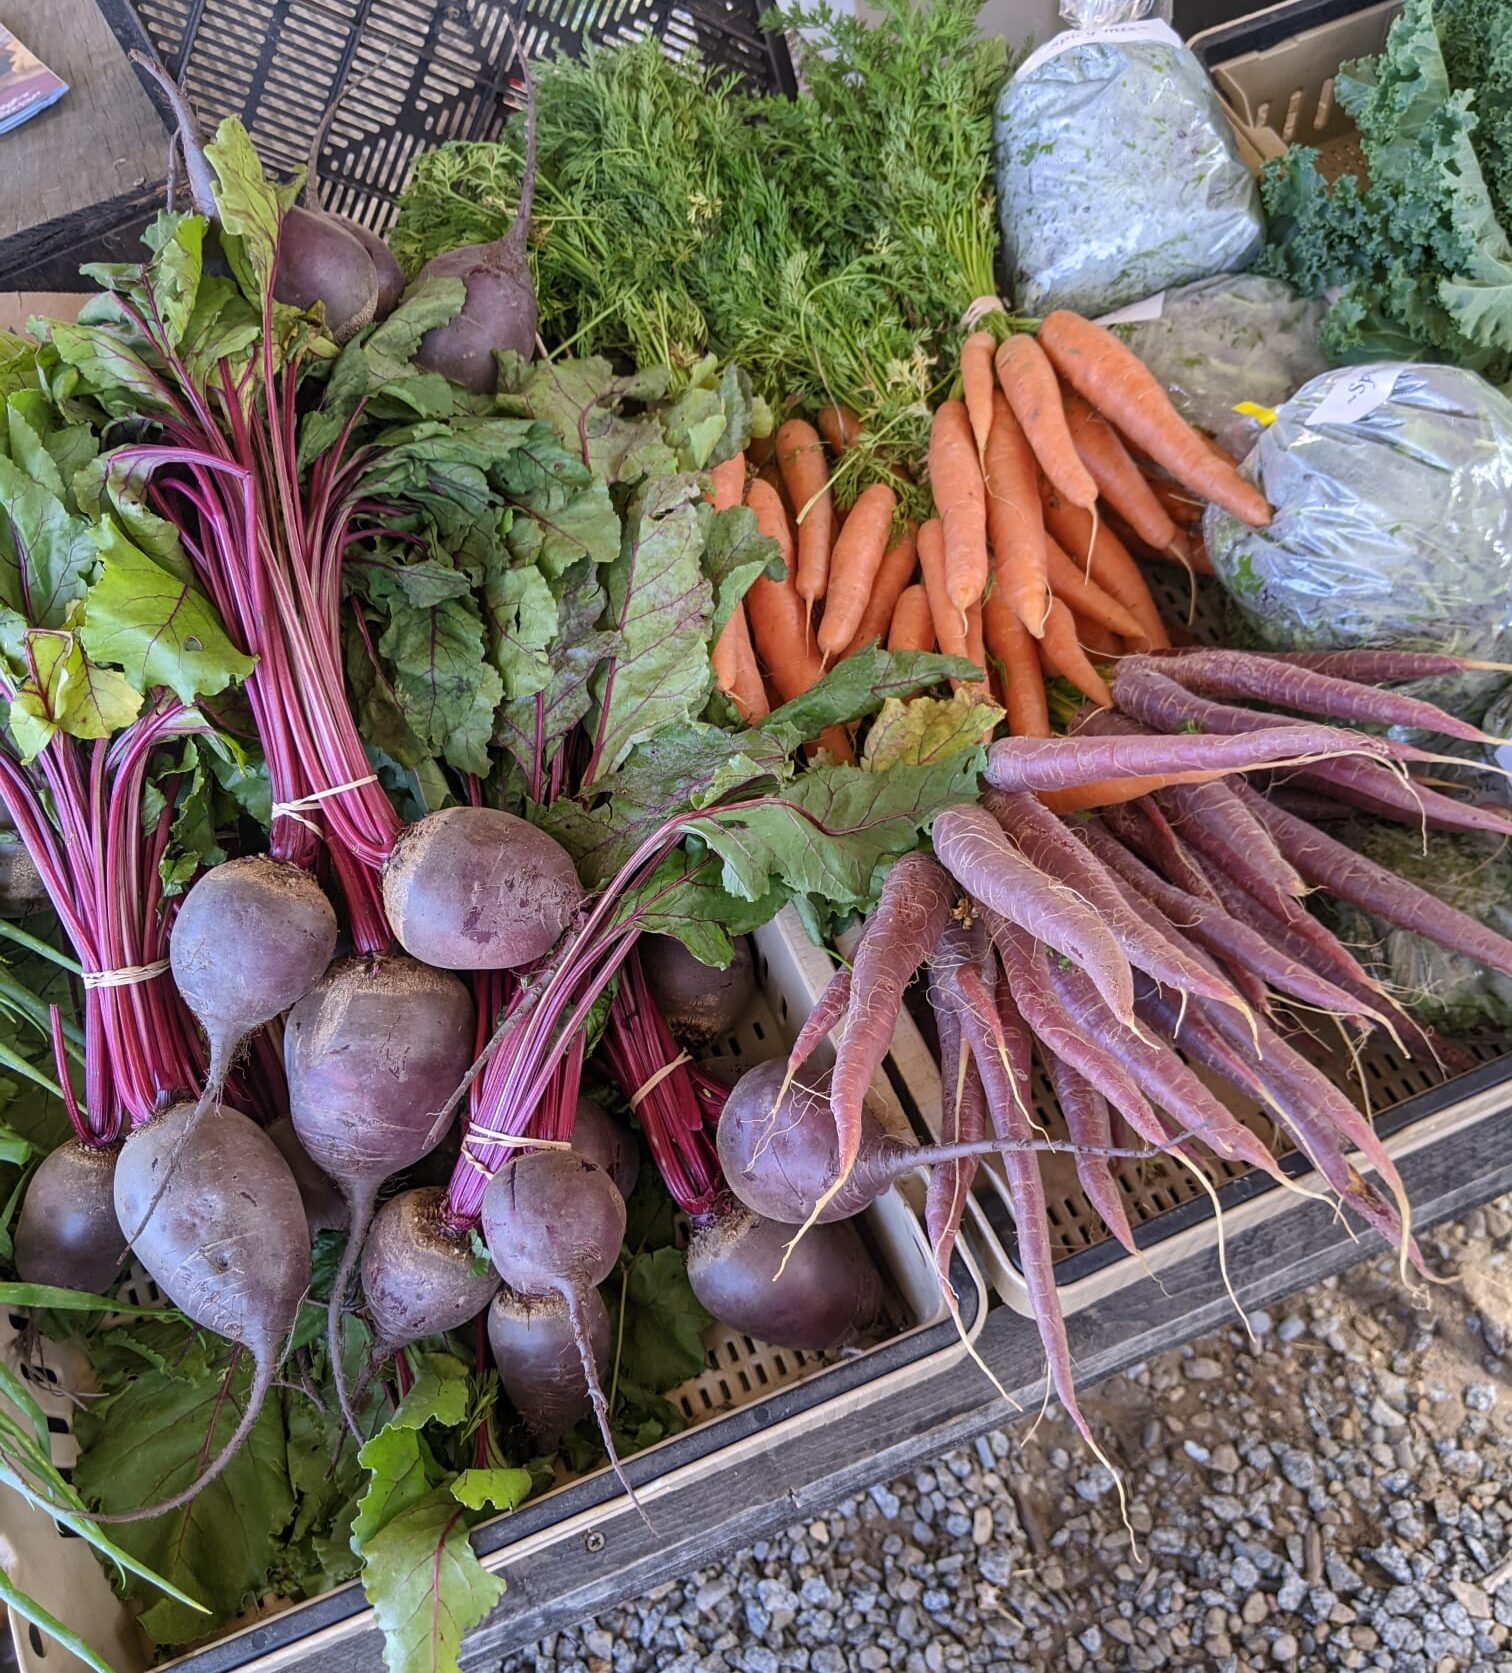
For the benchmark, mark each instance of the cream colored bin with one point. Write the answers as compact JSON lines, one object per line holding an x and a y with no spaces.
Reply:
{"x":64,"y":1576}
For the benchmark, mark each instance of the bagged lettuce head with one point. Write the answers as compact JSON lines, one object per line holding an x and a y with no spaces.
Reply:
{"x":1233,"y":338}
{"x":1392,"y":489}
{"x":1116,"y":169}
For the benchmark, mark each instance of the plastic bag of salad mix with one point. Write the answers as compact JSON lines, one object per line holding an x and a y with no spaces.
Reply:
{"x":1392,"y":493}
{"x":1117,"y":171}
{"x":1235,"y":338}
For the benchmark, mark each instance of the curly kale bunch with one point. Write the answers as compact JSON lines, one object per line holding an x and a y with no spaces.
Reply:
{"x":1420,"y":250}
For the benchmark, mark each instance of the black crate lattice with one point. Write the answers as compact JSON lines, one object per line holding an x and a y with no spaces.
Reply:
{"x":411,"y":75}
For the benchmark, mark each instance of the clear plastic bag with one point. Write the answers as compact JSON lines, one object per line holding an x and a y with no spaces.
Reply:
{"x":1469,"y":872}
{"x":1116,"y":169}
{"x":1392,"y":491}
{"x":1236,"y":337}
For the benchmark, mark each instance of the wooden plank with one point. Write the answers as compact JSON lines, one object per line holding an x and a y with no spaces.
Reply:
{"x":1298,"y":1248}
{"x":102,"y":140}
{"x":598,"y":1560}
{"x":17,"y":306}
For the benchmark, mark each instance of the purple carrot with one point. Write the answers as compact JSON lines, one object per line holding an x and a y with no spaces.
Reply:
{"x":1162,"y":1075}
{"x":1176,"y":930}
{"x":1300,"y":1106}
{"x":1005,"y":1078}
{"x":828,"y":1009}
{"x":1293,"y":685}
{"x":1313,"y":1105}
{"x":1047,"y":843}
{"x":1031,"y":1215}
{"x":1329,"y":958}
{"x":1147,"y":693}
{"x":1024,"y":965}
{"x":1151,"y":697}
{"x":1328,"y":864}
{"x":1212,"y":819}
{"x":1306,"y":805}
{"x":963,"y":1116}
{"x":1371,"y":785}
{"x":1233,"y":846}
{"x":1306,"y":1097}
{"x":912,"y":914}
{"x":971,"y":845}
{"x":1045,"y":764}
{"x":1324,"y":953}
{"x":1085,"y":1112}
{"x":1378,"y":667}
{"x":1226,"y":937}
{"x":1142,"y":827}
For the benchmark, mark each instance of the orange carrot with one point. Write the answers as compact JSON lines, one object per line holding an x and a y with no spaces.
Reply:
{"x":1184,"y":511}
{"x":1095,"y":363}
{"x":1184,"y":551}
{"x":1115,"y":473}
{"x":976,"y":645}
{"x":778,"y":617}
{"x":912,"y":627}
{"x":1190,"y":550}
{"x":857,"y":557}
{"x":1015,"y":519}
{"x":1109,"y":565}
{"x":949,"y":622}
{"x":840,"y":428}
{"x":899,"y":562}
{"x":1103,"y":794}
{"x":1098,"y":640}
{"x":1029,"y":382}
{"x":978,"y":381}
{"x":1011,"y":643}
{"x":729,"y":483}
{"x":805,"y":474}
{"x":736,"y":671}
{"x":835,"y":740}
{"x":1069,"y":584}
{"x":955,"y":480}
{"x":1062,"y":654}
{"x":759,"y":449}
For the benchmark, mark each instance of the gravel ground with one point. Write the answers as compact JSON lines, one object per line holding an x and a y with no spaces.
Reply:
{"x":1337,"y":1494}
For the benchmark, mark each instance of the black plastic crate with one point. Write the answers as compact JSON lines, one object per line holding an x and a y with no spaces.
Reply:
{"x":1216,"y":39}
{"x":410,"y":74}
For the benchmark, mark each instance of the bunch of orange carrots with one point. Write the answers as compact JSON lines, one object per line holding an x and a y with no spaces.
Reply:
{"x":1061,"y":461}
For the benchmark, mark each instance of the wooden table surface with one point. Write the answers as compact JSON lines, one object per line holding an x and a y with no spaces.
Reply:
{"x":101,"y":141}
{"x":105,"y":141}
{"x":586,"y":1549}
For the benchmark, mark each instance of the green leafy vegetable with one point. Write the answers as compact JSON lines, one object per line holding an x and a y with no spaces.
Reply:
{"x":158,"y":629}
{"x":826,"y":245}
{"x":661,"y":609}
{"x":151,"y":1438}
{"x":1419,"y":249}
{"x":420,"y":1573}
{"x":492,"y":1489}
{"x":863,"y":684}
{"x":928,"y":729}
{"x":662,"y":1341}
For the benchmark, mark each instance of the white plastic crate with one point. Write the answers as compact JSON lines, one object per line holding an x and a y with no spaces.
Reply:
{"x":1159,"y":1193}
{"x":62,"y":1573}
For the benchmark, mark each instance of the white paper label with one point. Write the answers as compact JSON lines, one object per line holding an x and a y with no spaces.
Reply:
{"x":1141,"y":29}
{"x":1354,"y":397}
{"x":1152,"y":307}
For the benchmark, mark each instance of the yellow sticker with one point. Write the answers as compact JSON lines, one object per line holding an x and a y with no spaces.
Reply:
{"x":1264,"y":416}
